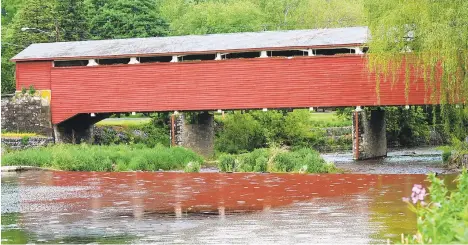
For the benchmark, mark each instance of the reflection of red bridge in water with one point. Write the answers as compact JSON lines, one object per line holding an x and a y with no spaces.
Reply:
{"x":216,"y":192}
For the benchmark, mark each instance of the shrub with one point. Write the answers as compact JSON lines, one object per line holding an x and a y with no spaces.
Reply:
{"x":444,"y":218}
{"x":255,"y":161}
{"x":407,"y":127}
{"x":245,"y":132}
{"x":25,"y":140}
{"x":241,"y":133}
{"x":226,"y":163}
{"x":303,"y":160}
{"x":192,"y":167}
{"x":32,"y":90}
{"x":456,"y":155}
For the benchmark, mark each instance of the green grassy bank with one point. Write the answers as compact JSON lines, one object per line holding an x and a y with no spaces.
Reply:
{"x":276,"y":160}
{"x":140,"y":157}
{"x":105,"y":158}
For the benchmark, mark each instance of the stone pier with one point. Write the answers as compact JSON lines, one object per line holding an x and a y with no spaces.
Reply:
{"x":195,"y":133}
{"x":369,"y":134}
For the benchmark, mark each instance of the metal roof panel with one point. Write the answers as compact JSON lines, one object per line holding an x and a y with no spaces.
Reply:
{"x":194,"y":43}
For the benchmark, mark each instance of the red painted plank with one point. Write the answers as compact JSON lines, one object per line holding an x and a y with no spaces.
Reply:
{"x":36,"y":73}
{"x":228,"y":84}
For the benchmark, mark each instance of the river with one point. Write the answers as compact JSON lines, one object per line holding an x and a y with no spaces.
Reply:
{"x":206,"y":208}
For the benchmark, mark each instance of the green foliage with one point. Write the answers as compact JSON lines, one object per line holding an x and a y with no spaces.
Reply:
{"x":110,"y":19}
{"x":152,"y":133}
{"x":192,"y":167}
{"x":25,"y":140}
{"x":445,"y":218}
{"x":208,"y":17}
{"x":302,"y":160}
{"x":454,"y":119}
{"x":435,"y":32}
{"x":297,"y":129}
{"x":241,"y":133}
{"x":407,"y":127}
{"x":455,"y":156}
{"x":71,"y":20}
{"x":32,"y":90}
{"x":226,"y":163}
{"x":213,"y":16}
{"x":255,"y":161}
{"x":32,"y":14}
{"x":104,"y":158}
{"x":9,"y":10}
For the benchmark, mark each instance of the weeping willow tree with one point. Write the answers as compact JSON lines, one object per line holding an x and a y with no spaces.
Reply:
{"x":428,"y":38}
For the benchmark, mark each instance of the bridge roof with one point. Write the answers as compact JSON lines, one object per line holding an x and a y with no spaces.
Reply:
{"x":178,"y":45}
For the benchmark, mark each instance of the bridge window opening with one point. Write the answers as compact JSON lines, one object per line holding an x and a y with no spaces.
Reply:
{"x":198,"y":57}
{"x":334,"y":51}
{"x":245,"y":55}
{"x":154,"y":59}
{"x":113,"y":61}
{"x":365,"y":49}
{"x":288,"y":53}
{"x":66,"y":63}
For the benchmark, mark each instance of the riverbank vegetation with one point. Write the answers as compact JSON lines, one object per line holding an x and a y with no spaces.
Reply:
{"x":140,"y":157}
{"x":456,"y":155}
{"x":148,"y":131}
{"x":303,"y":160}
{"x":442,"y":215}
{"x":242,"y":131}
{"x":105,"y":158}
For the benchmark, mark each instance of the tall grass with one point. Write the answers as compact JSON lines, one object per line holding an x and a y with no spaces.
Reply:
{"x":104,"y":158}
{"x":303,"y":160}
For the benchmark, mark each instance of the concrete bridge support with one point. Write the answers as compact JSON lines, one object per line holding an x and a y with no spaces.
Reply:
{"x":369,"y":134}
{"x":195,"y":132}
{"x":78,"y":129}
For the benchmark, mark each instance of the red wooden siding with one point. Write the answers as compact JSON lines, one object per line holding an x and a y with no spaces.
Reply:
{"x":35,"y":73}
{"x":228,"y":84}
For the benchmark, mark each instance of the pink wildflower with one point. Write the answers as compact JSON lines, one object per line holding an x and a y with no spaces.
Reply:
{"x":418,"y":193}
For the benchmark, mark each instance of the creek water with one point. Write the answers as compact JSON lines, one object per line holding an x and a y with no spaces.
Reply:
{"x":206,"y":208}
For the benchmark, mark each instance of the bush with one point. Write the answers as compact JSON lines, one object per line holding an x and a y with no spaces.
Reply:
{"x":303,"y":160}
{"x":25,"y":140}
{"x":456,"y":155}
{"x":192,"y":167}
{"x":407,"y":127}
{"x":255,"y":161}
{"x":444,"y":219}
{"x":241,"y":133}
{"x":104,"y":158}
{"x":226,"y":163}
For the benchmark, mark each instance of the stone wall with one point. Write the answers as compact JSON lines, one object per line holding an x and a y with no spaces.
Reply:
{"x":26,"y":113}
{"x":25,"y":142}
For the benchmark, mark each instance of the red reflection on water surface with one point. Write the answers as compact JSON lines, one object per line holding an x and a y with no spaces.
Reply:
{"x":213,"y":192}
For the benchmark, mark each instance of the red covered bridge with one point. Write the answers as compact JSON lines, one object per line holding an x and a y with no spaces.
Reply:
{"x":280,"y":69}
